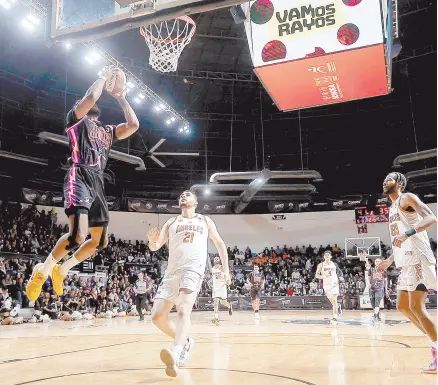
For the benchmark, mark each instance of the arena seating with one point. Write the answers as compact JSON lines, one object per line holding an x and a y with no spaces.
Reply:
{"x":27,"y":236}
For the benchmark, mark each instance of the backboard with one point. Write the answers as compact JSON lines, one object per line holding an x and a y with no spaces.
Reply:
{"x":76,"y":21}
{"x":363,"y":247}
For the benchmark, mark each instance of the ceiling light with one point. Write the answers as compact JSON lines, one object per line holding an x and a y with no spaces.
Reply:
{"x":95,"y":55}
{"x":172,"y":119}
{"x":162,"y":106}
{"x":25,"y":23}
{"x":186,"y":128}
{"x":137,"y":100}
{"x":67,"y":46}
{"x":141,"y":96}
{"x":89,"y":60}
{"x":33,"y":19}
{"x":167,"y":121}
{"x":181,"y":130}
{"x":5,"y":4}
{"x":157,"y":108}
{"x":130,"y":85}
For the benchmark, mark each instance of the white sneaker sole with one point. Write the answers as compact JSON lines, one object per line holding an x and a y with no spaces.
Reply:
{"x":168,"y":359}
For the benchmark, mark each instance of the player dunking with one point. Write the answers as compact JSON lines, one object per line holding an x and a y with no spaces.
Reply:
{"x":219,"y":290}
{"x":409,"y":217}
{"x":256,"y":281}
{"x":328,"y":271}
{"x":377,"y":286}
{"x":85,"y":202}
{"x":187,"y":235}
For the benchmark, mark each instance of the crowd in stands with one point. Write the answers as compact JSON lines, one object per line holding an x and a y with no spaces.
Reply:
{"x":27,"y":234}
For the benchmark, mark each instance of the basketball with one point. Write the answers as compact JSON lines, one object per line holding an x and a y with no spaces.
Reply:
{"x":116,"y":82}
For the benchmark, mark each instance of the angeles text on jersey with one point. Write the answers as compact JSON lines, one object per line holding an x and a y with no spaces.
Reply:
{"x":198,"y":229}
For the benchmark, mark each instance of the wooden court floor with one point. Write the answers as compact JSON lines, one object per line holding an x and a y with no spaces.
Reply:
{"x":283,"y":347}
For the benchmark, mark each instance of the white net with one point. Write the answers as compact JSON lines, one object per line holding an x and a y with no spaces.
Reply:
{"x":166,"y":41}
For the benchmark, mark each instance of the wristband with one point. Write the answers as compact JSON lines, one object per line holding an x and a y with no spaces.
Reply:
{"x":411,"y":232}
{"x":102,"y":77}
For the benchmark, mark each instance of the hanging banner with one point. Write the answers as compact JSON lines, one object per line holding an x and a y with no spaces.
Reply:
{"x":37,"y":197}
{"x":58,"y":199}
{"x":281,"y":206}
{"x":113,"y":203}
{"x":214,"y":207}
{"x":171,"y":207}
{"x":141,"y":205}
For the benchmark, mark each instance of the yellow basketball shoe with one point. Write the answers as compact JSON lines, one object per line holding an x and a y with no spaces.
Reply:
{"x":33,"y":288}
{"x":57,"y":280}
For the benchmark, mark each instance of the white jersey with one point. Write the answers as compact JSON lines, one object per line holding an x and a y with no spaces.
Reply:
{"x":329,"y":274}
{"x":218,"y":278}
{"x":188,"y":244}
{"x":416,"y":247}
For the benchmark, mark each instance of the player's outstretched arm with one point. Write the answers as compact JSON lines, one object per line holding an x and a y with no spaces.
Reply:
{"x":318,"y":274}
{"x":220,"y":246}
{"x":92,"y":95}
{"x":126,"y":129}
{"x":157,"y":238}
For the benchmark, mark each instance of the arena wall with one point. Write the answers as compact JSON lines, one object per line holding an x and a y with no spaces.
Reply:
{"x":258,"y":231}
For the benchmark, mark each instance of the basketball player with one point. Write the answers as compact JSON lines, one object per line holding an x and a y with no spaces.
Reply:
{"x":409,"y":217}
{"x":219,"y":290}
{"x":85,"y":201}
{"x":187,"y":234}
{"x":256,"y":281}
{"x":377,"y":286}
{"x":328,"y":271}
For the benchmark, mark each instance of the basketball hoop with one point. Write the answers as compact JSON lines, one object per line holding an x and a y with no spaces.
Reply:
{"x":166,"y":41}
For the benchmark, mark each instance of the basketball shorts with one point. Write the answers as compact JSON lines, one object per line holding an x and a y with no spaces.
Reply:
{"x":220,"y":292}
{"x":376,"y":297}
{"x":331,"y":290}
{"x":421,"y":276}
{"x":83,"y":187}
{"x":172,"y":283}
{"x":255,"y":293}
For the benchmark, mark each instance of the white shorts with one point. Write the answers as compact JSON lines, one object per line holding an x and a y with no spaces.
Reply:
{"x":172,"y":283}
{"x":220,"y":292}
{"x":331,"y":291}
{"x":414,"y":275}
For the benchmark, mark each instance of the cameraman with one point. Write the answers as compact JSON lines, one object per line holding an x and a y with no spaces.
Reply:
{"x":141,"y":288}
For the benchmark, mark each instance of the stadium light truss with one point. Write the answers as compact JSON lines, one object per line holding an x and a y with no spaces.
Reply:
{"x":96,"y":54}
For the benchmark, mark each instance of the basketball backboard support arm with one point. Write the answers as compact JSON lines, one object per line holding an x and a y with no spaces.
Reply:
{"x":133,"y":17}
{"x":42,"y":12}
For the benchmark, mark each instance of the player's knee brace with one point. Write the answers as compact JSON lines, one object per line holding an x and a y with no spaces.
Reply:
{"x":73,"y":244}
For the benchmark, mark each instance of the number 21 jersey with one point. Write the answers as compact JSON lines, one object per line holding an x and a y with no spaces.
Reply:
{"x":188,"y":238}
{"x":414,"y":247}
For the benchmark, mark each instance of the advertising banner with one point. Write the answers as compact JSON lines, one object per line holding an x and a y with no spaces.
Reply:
{"x":271,"y":303}
{"x":280,"y":31}
{"x":37,"y":197}
{"x":171,"y":207}
{"x":327,"y":79}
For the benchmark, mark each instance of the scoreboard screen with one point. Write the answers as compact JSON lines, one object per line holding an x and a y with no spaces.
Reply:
{"x":377,"y":214}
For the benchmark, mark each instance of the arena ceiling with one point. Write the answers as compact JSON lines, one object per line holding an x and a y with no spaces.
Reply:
{"x":234,"y":124}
